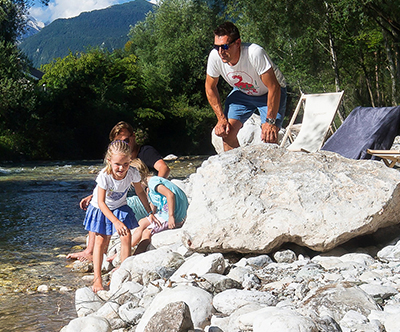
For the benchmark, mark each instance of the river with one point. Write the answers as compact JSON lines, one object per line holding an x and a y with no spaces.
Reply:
{"x":39,"y":218}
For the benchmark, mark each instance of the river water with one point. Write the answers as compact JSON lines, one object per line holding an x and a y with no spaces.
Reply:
{"x":39,"y":219}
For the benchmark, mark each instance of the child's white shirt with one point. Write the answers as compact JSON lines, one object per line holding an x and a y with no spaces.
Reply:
{"x":116,"y":190}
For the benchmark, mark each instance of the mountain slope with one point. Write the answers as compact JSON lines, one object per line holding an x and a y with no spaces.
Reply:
{"x":33,"y":26}
{"x":106,"y":28}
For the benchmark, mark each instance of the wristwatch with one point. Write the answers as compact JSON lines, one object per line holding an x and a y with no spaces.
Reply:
{"x":270,"y":121}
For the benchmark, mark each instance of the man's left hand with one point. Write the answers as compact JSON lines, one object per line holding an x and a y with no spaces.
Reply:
{"x":269,"y":133}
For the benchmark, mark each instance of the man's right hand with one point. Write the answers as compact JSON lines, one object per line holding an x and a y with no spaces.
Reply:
{"x":222,"y":128}
{"x":84,"y":203}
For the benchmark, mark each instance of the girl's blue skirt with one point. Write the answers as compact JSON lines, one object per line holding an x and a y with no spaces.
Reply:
{"x":95,"y":221}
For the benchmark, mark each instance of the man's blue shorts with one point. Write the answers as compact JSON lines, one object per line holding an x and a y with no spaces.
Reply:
{"x":240,"y":106}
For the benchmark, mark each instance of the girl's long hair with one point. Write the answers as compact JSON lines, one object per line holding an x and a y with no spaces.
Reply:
{"x":116,"y":147}
{"x":143,"y":170}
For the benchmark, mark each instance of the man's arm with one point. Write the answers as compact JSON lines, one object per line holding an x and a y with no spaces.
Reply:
{"x":269,"y":132}
{"x":162,"y":168}
{"x":222,"y":128}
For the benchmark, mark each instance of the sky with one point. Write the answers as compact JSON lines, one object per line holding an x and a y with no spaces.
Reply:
{"x":68,"y":8}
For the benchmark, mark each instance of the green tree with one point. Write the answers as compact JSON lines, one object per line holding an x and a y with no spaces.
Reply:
{"x":85,"y":95}
{"x":17,"y":91}
{"x":328,"y":45}
{"x":172,"y":45}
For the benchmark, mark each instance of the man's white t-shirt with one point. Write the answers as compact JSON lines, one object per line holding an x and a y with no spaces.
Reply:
{"x":116,"y":190}
{"x":245,"y":75}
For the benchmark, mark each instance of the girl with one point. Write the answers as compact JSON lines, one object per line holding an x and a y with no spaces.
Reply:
{"x":169,"y":202}
{"x":108,"y":211}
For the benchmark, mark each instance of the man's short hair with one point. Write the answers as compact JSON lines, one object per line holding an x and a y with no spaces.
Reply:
{"x":227,"y":29}
{"x":118,"y":127}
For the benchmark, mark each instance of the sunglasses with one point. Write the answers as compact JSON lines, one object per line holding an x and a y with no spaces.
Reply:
{"x":224,"y":46}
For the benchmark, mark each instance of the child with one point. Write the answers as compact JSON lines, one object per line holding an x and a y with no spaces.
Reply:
{"x":108,"y":211}
{"x":169,"y":201}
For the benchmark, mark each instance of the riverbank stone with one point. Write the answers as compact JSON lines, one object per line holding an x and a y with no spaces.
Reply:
{"x":254,"y":199}
{"x":83,"y":324}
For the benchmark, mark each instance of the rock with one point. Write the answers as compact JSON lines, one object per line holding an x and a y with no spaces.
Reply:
{"x":274,"y":319}
{"x":174,"y":317}
{"x":257,"y":261}
{"x":170,"y":157}
{"x":216,"y":283}
{"x":108,"y":310}
{"x":327,"y":324}
{"x":86,"y":302}
{"x":198,"y":300}
{"x":198,"y":265}
{"x":354,"y":321}
{"x":244,"y":276}
{"x":147,"y":264}
{"x":91,"y":323}
{"x":131,"y":313}
{"x":360,"y":258}
{"x":379,"y":292}
{"x":82,"y":267}
{"x":43,"y":289}
{"x":127,"y":292}
{"x":64,"y":289}
{"x":250,"y":133}
{"x":170,"y":238}
{"x":231,"y":322}
{"x":232,"y":299}
{"x":285,"y":256}
{"x":390,"y":253}
{"x":337,"y":299}
{"x":281,"y":196}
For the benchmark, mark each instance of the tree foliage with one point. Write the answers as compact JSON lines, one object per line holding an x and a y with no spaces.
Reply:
{"x":157,"y":81}
{"x":17,"y":92}
{"x":329,"y":45}
{"x":172,"y":45}
{"x":85,"y":95}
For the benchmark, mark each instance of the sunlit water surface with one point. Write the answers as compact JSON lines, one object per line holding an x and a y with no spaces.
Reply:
{"x":39,"y":218}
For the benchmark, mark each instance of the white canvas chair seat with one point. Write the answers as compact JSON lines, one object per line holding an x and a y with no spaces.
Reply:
{"x":319,"y":113}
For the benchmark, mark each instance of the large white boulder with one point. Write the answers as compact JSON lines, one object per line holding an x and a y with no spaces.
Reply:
{"x":255,"y":198}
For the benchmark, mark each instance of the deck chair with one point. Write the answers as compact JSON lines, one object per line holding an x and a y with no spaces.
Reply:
{"x":373,"y":128}
{"x":389,"y":157}
{"x":319,"y":113}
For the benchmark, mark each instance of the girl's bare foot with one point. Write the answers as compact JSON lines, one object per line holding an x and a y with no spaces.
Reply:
{"x":82,"y":256}
{"x":97,"y":285}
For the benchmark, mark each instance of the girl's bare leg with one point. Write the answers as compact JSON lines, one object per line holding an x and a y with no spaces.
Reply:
{"x":100,"y":242}
{"x":144,"y":242}
{"x":137,"y":233}
{"x":125,"y":246}
{"x":146,"y":234}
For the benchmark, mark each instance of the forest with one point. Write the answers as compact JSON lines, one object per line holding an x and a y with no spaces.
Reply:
{"x":156,"y":81}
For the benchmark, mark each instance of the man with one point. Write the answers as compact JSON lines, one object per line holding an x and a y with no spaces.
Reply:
{"x":151,"y":157}
{"x":257,"y":84}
